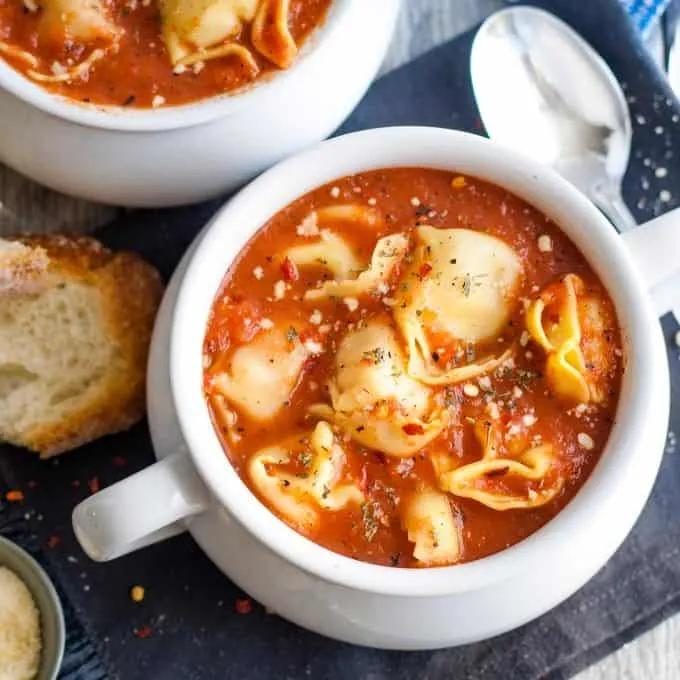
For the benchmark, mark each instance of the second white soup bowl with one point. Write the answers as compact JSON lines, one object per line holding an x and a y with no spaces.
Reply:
{"x":184,"y":154}
{"x":195,"y":488}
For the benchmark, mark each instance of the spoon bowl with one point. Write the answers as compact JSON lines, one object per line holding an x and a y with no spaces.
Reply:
{"x":543,"y":91}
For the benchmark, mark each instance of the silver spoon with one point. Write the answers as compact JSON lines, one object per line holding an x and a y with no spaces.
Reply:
{"x":542,"y":90}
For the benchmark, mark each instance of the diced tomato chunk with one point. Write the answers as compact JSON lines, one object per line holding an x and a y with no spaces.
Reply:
{"x":235,"y":320}
{"x":289,"y":271}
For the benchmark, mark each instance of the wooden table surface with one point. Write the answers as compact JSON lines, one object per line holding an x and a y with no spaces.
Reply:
{"x":424,"y":23}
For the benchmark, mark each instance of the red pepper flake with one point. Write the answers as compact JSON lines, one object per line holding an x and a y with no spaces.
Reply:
{"x":143,"y":632}
{"x":14,"y":496}
{"x":289,"y":270}
{"x":119,"y":461}
{"x":243,"y":605}
{"x":425,"y":269}
{"x":413,"y":428}
{"x":94,"y":485}
{"x":53,"y":541}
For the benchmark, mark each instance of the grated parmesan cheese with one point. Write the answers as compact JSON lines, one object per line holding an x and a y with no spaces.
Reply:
{"x":20,"y":641}
{"x":352,"y":303}
{"x":544,"y":243}
{"x":279,"y":290}
{"x":470,"y":390}
{"x":586,"y":441}
{"x":309,"y":226}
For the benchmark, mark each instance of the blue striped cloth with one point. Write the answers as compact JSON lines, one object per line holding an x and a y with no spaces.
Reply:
{"x":645,"y":13}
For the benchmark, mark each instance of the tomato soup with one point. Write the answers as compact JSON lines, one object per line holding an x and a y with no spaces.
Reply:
{"x":412,"y":367}
{"x":145,"y":53}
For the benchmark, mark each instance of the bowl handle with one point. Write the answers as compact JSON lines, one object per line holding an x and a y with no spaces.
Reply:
{"x":655,"y":247}
{"x":145,"y":508}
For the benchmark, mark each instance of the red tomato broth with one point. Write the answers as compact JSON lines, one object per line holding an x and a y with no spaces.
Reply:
{"x":388,"y":481}
{"x":141,"y":69}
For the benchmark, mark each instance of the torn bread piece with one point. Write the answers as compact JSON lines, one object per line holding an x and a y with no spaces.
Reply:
{"x":73,"y":353}
{"x":23,"y":269}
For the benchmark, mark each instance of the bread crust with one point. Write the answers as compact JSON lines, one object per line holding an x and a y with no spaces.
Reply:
{"x":130,"y":292}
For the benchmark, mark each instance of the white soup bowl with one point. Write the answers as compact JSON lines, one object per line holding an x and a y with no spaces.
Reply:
{"x":195,"y":488}
{"x":184,"y":154}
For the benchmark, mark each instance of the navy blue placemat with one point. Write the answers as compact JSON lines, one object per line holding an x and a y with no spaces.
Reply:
{"x":188,"y":627}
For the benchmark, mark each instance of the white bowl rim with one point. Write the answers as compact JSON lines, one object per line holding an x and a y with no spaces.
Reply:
{"x":307,"y":170}
{"x":131,"y":119}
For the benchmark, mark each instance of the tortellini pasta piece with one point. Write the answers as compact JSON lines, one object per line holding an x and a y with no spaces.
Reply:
{"x":387,"y":255}
{"x":564,"y":322}
{"x":271,"y":36}
{"x":299,"y":499}
{"x":81,"y":21}
{"x":330,"y":252}
{"x":197,"y":30}
{"x":430,"y":525}
{"x":485,"y":481}
{"x":461,"y":284}
{"x":262,"y":374}
{"x":349,"y":212}
{"x":62,"y":23}
{"x":374,"y":399}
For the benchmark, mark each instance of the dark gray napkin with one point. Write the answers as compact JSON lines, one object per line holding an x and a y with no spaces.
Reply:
{"x":189,"y":612}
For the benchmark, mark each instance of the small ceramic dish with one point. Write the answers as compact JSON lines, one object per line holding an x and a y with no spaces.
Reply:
{"x":53,"y":628}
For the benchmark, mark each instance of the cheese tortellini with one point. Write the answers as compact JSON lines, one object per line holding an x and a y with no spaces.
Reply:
{"x":330,"y":252}
{"x":200,"y":30}
{"x":375,"y":400}
{"x":479,"y":480}
{"x":297,"y":498}
{"x":570,"y":328}
{"x":388,"y":254}
{"x":262,"y":374}
{"x":197,"y":29}
{"x":461,"y":285}
{"x":75,"y":20}
{"x":430,"y":525}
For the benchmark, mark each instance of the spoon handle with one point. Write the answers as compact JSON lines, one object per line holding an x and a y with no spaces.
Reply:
{"x":609,"y":200}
